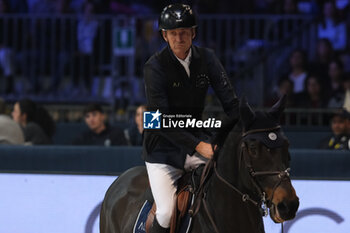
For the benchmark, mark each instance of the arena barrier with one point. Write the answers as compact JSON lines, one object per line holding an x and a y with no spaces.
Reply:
{"x":59,"y":203}
{"x":305,"y":163}
{"x":293,"y":117}
{"x":305,"y":137}
{"x":60,"y":188}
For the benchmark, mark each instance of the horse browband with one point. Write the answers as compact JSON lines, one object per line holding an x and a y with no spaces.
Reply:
{"x":260,"y":130}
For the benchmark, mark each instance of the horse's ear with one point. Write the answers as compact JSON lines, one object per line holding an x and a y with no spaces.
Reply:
{"x":246,"y":113}
{"x":277,"y":109}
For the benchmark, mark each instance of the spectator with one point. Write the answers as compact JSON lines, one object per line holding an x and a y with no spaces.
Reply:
{"x":339,"y":140}
{"x":331,"y":27}
{"x":313,"y":96}
{"x":38,"y":126}
{"x":298,"y":73}
{"x":341,"y":98}
{"x":335,"y":73}
{"x":324,"y":55}
{"x":87,"y":31}
{"x":134,"y":133}
{"x":346,"y":85}
{"x":6,"y":53}
{"x":10,"y":132}
{"x":99,"y":133}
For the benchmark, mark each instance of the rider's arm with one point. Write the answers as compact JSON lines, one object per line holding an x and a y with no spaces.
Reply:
{"x":222,"y":85}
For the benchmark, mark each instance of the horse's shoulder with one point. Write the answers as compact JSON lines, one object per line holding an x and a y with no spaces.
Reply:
{"x":133,"y":180}
{"x":133,"y":175}
{"x":135,"y":171}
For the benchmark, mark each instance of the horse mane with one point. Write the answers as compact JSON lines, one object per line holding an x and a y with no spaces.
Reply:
{"x":229,"y":125}
{"x":251,"y":120}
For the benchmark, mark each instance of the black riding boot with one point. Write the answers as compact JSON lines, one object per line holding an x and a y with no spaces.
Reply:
{"x":156,"y":228}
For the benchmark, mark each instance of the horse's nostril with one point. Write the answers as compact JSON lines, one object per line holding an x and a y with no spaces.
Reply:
{"x":282,"y":207}
{"x":294,"y":205}
{"x":288,"y":209}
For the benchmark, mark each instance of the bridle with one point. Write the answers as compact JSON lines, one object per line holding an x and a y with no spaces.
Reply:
{"x":263,"y":204}
{"x":282,"y":175}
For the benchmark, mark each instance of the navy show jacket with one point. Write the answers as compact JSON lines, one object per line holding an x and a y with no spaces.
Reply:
{"x":170,"y":90}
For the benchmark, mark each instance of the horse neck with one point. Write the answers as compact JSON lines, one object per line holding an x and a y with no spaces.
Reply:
{"x":230,"y":165}
{"x":228,"y":159}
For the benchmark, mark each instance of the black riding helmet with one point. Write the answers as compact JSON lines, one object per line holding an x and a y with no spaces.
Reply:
{"x":177,"y":16}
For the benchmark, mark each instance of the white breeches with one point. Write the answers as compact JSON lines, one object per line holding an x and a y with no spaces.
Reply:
{"x":163,"y":180}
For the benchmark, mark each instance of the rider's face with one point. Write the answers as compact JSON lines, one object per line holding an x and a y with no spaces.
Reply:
{"x":180,"y":40}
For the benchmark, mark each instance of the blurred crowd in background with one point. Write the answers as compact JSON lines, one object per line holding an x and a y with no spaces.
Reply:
{"x":50,"y":52}
{"x":60,"y":57}
{"x":155,"y":6}
{"x":31,"y":124}
{"x":71,"y":57}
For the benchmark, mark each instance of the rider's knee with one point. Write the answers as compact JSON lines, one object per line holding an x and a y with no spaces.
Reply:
{"x":164,"y":216}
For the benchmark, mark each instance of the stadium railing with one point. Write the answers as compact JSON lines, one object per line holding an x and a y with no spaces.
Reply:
{"x":45,"y":47}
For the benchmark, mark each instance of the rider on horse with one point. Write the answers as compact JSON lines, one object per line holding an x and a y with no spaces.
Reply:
{"x":176,"y":81}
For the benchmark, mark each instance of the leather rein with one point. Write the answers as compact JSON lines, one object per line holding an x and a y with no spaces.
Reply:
{"x":263,"y":204}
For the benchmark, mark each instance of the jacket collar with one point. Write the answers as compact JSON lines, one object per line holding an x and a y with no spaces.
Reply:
{"x":195,"y":53}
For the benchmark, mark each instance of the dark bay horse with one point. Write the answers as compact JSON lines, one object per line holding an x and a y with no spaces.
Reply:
{"x":250,"y":171}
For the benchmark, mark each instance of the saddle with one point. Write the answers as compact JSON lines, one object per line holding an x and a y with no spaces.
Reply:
{"x":187,"y":185}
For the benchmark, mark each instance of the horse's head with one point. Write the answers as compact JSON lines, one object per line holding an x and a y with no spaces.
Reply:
{"x":264,"y":153}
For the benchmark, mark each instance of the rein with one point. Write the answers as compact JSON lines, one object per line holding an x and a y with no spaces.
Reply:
{"x":263,"y":204}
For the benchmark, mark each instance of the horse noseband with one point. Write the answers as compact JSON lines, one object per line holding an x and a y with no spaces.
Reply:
{"x":280,"y":174}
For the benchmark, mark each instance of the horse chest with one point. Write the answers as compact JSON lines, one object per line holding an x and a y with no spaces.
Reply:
{"x":229,"y":212}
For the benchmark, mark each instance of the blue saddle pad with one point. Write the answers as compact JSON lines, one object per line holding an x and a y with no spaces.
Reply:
{"x":185,"y":223}
{"x":140,"y":224}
